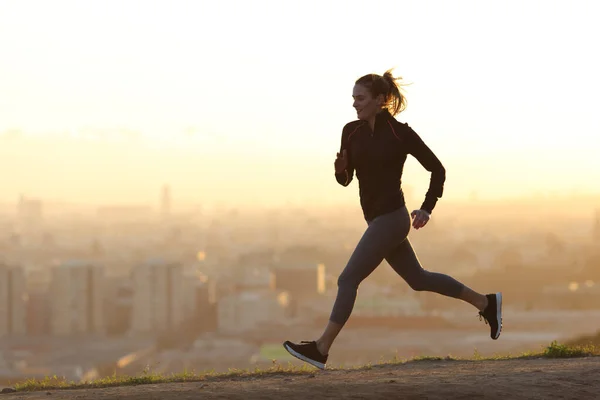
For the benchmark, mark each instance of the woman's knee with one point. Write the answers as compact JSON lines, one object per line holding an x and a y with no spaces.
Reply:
{"x":418,"y":282}
{"x":347,"y":281}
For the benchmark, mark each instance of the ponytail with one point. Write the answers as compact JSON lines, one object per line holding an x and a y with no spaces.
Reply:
{"x":395,"y":99}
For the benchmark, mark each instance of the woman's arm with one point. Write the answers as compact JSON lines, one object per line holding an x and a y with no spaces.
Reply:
{"x":423,"y":154}
{"x":344,"y":170}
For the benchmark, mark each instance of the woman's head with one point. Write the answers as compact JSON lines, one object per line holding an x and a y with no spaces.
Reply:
{"x":373,"y":92}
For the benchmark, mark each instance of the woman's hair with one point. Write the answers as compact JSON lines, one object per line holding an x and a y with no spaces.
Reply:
{"x":387,"y":85}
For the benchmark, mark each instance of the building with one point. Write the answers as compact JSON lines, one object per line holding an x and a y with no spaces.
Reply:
{"x":76,"y":294}
{"x":117,"y":312}
{"x":304,"y":282}
{"x":253,"y":278}
{"x":162,"y":297}
{"x":300,"y":280}
{"x":39,"y":304}
{"x":205,"y":310}
{"x":249,"y":310}
{"x":13,"y":300}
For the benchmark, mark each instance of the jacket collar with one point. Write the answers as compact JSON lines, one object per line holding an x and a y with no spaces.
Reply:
{"x":382,"y":117}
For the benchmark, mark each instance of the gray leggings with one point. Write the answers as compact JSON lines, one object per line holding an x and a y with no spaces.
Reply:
{"x":386,"y":238}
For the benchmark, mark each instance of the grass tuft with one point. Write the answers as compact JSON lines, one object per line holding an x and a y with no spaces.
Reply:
{"x":557,"y":350}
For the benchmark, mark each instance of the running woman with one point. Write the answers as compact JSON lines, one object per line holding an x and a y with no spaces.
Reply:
{"x":375,"y":148}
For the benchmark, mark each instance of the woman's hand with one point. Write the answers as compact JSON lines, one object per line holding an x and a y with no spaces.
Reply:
{"x":420,"y":218}
{"x":341,"y":162}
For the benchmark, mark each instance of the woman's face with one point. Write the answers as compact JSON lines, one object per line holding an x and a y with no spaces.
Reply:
{"x":366,"y":106}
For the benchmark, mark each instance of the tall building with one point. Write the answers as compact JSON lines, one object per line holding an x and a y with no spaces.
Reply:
{"x":304,"y":282}
{"x":13,"y":292}
{"x":301,"y":280}
{"x":159,"y":296}
{"x":248,"y":277}
{"x":205,"y":306}
{"x":76,"y":294}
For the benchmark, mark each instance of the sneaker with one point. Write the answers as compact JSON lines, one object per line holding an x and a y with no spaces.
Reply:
{"x":493,"y":314}
{"x":307,"y":351}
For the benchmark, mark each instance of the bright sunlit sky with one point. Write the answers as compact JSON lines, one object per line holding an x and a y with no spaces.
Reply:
{"x":245,"y":100}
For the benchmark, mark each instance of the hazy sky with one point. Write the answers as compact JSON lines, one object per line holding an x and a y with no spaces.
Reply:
{"x":234,"y":98}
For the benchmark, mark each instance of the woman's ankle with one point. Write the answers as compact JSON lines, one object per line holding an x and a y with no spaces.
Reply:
{"x":322,"y":347}
{"x":484,"y":303}
{"x":477,"y":300}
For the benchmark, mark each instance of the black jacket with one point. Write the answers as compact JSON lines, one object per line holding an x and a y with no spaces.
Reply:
{"x":378,"y":158}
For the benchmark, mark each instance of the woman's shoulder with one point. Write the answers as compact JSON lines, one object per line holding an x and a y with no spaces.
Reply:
{"x":401,"y":125}
{"x":394,"y":120}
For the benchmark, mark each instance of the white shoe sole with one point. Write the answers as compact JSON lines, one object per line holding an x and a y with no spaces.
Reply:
{"x":499,"y":314}
{"x":303,"y":358}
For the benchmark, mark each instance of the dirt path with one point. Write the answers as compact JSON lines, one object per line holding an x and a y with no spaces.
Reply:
{"x":507,"y":379}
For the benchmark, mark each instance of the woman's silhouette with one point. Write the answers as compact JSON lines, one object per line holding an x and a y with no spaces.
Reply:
{"x":374,"y":148}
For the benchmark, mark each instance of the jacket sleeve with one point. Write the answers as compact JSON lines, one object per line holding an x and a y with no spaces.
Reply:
{"x":344,"y":178}
{"x":418,"y":149}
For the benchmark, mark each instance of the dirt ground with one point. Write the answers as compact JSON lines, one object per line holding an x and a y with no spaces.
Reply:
{"x":577,"y":378}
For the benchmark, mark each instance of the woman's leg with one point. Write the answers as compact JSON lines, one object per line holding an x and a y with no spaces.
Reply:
{"x":406,"y":263}
{"x":383,"y":234}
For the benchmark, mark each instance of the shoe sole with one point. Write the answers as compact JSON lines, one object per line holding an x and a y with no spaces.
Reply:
{"x":498,"y":314}
{"x":304,"y":358}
